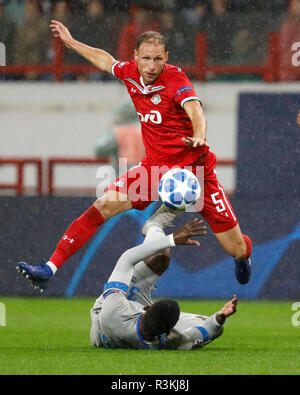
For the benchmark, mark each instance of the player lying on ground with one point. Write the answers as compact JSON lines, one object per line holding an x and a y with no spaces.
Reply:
{"x":174,"y":135}
{"x":124,"y":316}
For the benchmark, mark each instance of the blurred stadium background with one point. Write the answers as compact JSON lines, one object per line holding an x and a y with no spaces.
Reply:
{"x":60,"y":119}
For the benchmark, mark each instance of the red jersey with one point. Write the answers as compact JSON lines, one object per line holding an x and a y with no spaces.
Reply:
{"x":160,"y":109}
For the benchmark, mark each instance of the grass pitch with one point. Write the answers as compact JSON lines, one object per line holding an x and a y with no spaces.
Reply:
{"x":51,"y":336}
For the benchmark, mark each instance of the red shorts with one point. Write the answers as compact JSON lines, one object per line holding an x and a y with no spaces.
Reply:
{"x":141,"y":185}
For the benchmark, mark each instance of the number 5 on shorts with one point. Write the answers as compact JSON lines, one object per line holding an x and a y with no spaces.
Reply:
{"x":218,"y":202}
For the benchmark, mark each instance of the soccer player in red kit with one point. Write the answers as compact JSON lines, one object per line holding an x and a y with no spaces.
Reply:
{"x":174,"y":134}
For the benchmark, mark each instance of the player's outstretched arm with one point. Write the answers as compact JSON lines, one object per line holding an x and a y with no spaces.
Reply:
{"x":197,"y":117}
{"x":229,"y":309}
{"x":123,"y":270}
{"x":98,"y":57}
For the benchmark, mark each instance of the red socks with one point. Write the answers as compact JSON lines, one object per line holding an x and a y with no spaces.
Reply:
{"x":248,"y":242}
{"x":78,"y":233}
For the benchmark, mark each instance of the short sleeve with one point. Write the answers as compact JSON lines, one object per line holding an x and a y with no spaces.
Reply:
{"x":119,"y":70}
{"x":182,"y":89}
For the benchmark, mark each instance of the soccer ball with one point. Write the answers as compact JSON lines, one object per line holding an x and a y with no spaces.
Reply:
{"x":179,"y":189}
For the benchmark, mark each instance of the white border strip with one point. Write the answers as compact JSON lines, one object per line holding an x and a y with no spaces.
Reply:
{"x":188,"y":99}
{"x":226,"y":201}
{"x":113,"y":68}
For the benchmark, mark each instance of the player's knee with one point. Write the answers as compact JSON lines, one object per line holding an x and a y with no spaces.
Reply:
{"x":160,"y":262}
{"x":112,"y":203}
{"x":102,"y":206}
{"x":164,"y":258}
{"x":166,"y":254}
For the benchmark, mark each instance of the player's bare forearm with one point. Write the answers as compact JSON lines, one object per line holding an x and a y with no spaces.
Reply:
{"x":98,"y":57}
{"x":199,"y":125}
{"x":198,"y":119}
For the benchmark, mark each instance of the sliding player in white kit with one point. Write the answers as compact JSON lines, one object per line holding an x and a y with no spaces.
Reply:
{"x":124,"y":316}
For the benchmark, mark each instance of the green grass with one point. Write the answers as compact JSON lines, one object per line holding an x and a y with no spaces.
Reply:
{"x":51,"y":336}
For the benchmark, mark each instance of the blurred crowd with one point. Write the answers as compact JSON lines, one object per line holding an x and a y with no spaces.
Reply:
{"x":237,"y":29}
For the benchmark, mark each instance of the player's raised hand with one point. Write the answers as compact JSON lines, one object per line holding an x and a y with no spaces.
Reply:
{"x":194,"y":141}
{"x":61,"y":31}
{"x":229,"y":309}
{"x":192,"y":228}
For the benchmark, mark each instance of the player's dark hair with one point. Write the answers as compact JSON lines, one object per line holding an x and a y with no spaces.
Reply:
{"x":151,"y":37}
{"x":160,"y":318}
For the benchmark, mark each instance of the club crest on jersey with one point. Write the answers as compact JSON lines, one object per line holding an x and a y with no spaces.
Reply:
{"x":156,"y":99}
{"x":119,"y":183}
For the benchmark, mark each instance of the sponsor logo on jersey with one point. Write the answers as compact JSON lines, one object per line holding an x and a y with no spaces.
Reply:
{"x":183,"y":89}
{"x":154,"y":117}
{"x":156,"y":99}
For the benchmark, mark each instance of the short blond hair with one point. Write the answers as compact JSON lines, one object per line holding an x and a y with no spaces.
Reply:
{"x":151,"y":36}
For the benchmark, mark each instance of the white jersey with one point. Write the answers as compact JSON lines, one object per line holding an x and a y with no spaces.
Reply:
{"x":116,"y":324}
{"x":116,"y":318}
{"x":117,"y":312}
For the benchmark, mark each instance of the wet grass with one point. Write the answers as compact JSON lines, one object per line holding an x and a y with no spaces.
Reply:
{"x":51,"y":336}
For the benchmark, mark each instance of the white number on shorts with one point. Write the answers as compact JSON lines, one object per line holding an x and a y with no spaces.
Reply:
{"x":218,"y":202}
